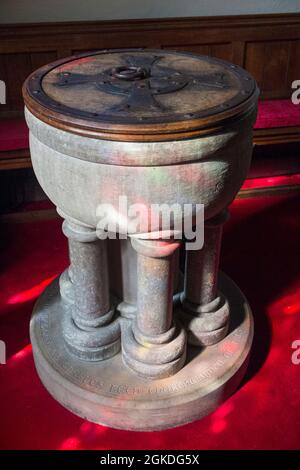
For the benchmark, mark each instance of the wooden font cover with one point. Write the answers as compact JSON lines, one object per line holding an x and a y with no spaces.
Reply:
{"x":140,"y":94}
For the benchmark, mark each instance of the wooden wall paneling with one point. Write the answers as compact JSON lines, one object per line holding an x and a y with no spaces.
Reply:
{"x":195,"y":48}
{"x":294,"y":63}
{"x":276,"y":63}
{"x":112,"y":40}
{"x":38,"y":59}
{"x":238,"y":53}
{"x":254,"y":61}
{"x":273,"y":64}
{"x":222,"y":51}
{"x":267,"y":45}
{"x":63,"y":52}
{"x":17,"y":67}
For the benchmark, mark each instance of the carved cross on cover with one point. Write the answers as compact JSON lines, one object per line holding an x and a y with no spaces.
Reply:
{"x":140,"y":83}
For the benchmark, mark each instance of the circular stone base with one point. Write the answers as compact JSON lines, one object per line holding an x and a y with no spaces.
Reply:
{"x":109,"y":393}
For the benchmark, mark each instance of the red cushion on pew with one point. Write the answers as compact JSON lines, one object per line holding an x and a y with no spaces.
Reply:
{"x":271,"y":113}
{"x":277,"y":113}
{"x":13,"y":134}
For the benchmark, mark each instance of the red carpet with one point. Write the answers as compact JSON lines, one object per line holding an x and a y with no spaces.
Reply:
{"x":261,"y":251}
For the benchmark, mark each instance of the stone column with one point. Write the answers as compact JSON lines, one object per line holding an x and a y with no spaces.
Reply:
{"x":154,"y":345}
{"x":92,"y":330}
{"x":66,"y":281}
{"x":127,"y":307}
{"x":205,"y":310}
